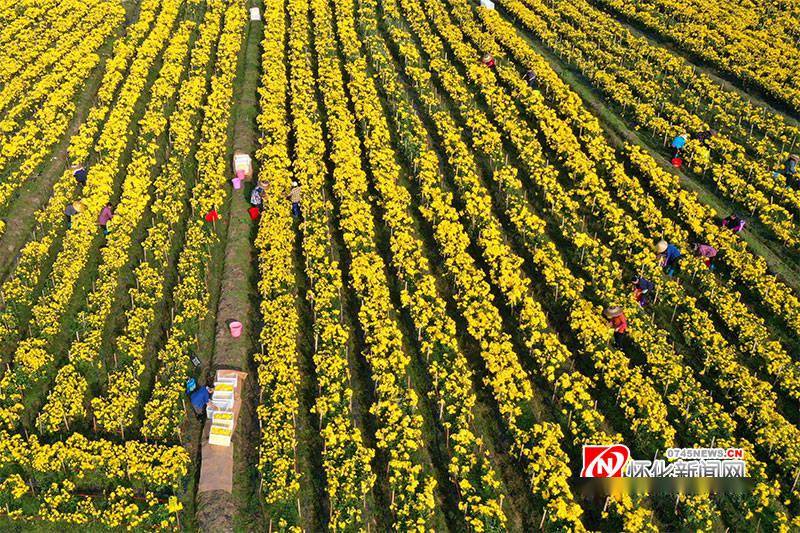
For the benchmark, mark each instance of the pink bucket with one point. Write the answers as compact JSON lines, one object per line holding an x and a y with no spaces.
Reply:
{"x":237,"y":183}
{"x":236,"y":328}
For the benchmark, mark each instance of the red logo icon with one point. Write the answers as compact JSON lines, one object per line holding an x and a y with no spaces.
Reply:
{"x":604,"y":461}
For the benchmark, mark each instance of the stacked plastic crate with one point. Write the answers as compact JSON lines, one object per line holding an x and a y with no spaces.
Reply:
{"x":222,"y":415}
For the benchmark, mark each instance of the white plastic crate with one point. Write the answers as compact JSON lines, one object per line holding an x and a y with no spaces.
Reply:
{"x":225,"y":387}
{"x":223,"y":399}
{"x":223,"y":419}
{"x":231,"y":380}
{"x":220,"y":436}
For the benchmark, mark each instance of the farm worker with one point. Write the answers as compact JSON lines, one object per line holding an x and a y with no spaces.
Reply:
{"x":733,"y":223}
{"x":790,"y":168}
{"x":618,"y":322}
{"x":200,"y":398}
{"x":73,"y":209}
{"x":679,"y":142}
{"x":254,"y":212}
{"x":488,"y":60}
{"x":295,"y":195}
{"x":106,"y":214}
{"x":211,"y":216}
{"x":669,"y":256}
{"x":706,"y":252}
{"x":79,"y":173}
{"x":255,"y":196}
{"x":530,"y":78}
{"x":642,"y":289}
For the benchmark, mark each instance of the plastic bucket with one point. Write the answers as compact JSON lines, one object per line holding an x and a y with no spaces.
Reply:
{"x":237,"y":183}
{"x":236,"y":328}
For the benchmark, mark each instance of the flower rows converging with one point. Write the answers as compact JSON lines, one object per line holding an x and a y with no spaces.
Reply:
{"x":406,"y":78}
{"x":278,"y":373}
{"x":164,"y":411}
{"x":118,"y":482}
{"x":452,"y":206}
{"x":116,"y":410}
{"x":346,"y":459}
{"x":755,"y":42}
{"x":42,"y":113}
{"x":32,"y":359}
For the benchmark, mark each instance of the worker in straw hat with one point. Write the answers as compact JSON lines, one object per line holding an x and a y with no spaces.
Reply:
{"x":669,"y":257}
{"x":618,"y":322}
{"x":295,"y":196}
{"x":73,"y":209}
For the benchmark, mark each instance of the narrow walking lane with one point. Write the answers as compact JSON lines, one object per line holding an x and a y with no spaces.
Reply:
{"x":226,"y":496}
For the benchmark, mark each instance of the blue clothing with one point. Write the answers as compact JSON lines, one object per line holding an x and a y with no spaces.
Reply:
{"x":671,"y":255}
{"x":255,"y":196}
{"x":679,"y":142}
{"x":200,"y":398}
{"x":80,"y":175}
{"x":646,"y":285}
{"x":791,"y":167}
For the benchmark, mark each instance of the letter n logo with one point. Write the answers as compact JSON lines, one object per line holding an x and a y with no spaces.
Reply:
{"x":604,"y":461}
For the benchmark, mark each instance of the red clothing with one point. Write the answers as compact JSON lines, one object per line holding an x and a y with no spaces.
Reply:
{"x":212,"y":216}
{"x":253,"y":212}
{"x":619,"y":323}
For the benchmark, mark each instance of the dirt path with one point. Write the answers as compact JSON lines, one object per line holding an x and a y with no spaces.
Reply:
{"x":219,"y":510}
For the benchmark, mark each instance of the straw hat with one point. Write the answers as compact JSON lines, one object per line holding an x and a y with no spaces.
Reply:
{"x":661,"y":247}
{"x":78,"y":205}
{"x":795,"y":157}
{"x":612,"y":311}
